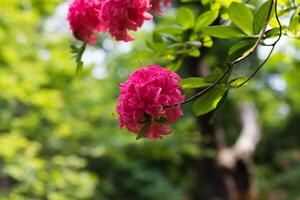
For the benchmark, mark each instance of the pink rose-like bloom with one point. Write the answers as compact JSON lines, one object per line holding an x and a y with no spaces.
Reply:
{"x":156,"y":5}
{"x":84,"y":19}
{"x":145,"y":96}
{"x":119,"y":16}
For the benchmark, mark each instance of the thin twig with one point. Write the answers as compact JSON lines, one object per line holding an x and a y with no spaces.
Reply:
{"x":231,"y":64}
{"x":270,"y":53}
{"x":258,"y":39}
{"x":204,"y":91}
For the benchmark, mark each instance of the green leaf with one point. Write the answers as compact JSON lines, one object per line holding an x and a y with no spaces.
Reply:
{"x":241,"y":16}
{"x":194,"y":82}
{"x":223,"y":32}
{"x":261,"y":17}
{"x":241,"y":45}
{"x":173,"y":30}
{"x":235,"y":83}
{"x":143,"y":130}
{"x":219,"y":106}
{"x":294,"y":26}
{"x":194,"y":53}
{"x":274,"y":32}
{"x":207,"y":41}
{"x":215,"y":74}
{"x":157,"y":38}
{"x":175,"y":65}
{"x":185,"y":17}
{"x":240,"y":49}
{"x":162,"y":120}
{"x":77,"y":55}
{"x":208,"y":101}
{"x":206,"y":19}
{"x":159,"y":47}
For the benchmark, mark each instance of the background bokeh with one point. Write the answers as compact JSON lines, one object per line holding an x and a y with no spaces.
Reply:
{"x":59,"y":137}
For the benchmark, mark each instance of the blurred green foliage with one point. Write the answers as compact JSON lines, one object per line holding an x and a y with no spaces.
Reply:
{"x":59,"y":139}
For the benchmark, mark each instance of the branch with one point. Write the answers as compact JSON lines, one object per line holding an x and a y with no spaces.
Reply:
{"x":272,"y":49}
{"x":236,"y":61}
{"x":204,"y":91}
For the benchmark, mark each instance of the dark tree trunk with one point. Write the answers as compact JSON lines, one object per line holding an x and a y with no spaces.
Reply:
{"x":217,"y":182}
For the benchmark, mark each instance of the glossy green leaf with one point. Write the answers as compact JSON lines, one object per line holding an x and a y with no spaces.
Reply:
{"x":274,"y":32}
{"x":294,"y":26}
{"x":208,"y":102}
{"x":157,"y":38}
{"x":261,"y":17}
{"x":175,"y":65}
{"x":194,"y":53}
{"x":143,"y":131}
{"x":241,"y":16}
{"x":194,"y":82}
{"x":240,"y":49}
{"x":219,"y":106}
{"x":77,"y":53}
{"x":162,"y":120}
{"x":223,"y":32}
{"x":235,"y":83}
{"x":215,"y":74}
{"x":241,"y":45}
{"x":185,"y":17}
{"x":207,"y":41}
{"x":206,"y":19}
{"x":173,"y":30}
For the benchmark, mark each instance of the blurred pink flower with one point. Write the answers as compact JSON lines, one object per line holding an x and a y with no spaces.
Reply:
{"x":120,"y":16}
{"x":156,"y":5}
{"x":84,"y":19}
{"x":144,"y":97}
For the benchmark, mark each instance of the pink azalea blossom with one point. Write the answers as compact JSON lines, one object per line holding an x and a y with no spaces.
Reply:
{"x":156,"y":5}
{"x":84,"y":19}
{"x":150,"y":94}
{"x":120,"y":16}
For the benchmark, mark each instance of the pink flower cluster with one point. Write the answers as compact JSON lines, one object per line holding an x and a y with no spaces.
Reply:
{"x":150,"y":94}
{"x":117,"y":17}
{"x":156,"y":5}
{"x":84,"y":19}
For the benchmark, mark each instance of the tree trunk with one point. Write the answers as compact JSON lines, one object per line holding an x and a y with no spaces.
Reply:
{"x":228,"y":176}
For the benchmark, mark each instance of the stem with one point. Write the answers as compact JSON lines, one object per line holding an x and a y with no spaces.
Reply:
{"x":204,"y":91}
{"x":231,"y":64}
{"x":258,"y":39}
{"x":270,"y":53}
{"x":79,"y":57}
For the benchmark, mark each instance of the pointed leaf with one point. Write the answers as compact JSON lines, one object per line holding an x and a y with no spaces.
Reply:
{"x":208,"y":102}
{"x":261,"y":17}
{"x":162,"y":120}
{"x":194,"y":53}
{"x":206,"y":19}
{"x":185,"y":17}
{"x":294,"y":26}
{"x":235,"y":83}
{"x":223,"y":32}
{"x":241,"y":16}
{"x":143,"y":131}
{"x":240,"y":49}
{"x":194,"y":82}
{"x":241,"y":45}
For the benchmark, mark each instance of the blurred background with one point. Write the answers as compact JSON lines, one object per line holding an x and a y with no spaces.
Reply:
{"x":60,"y":140}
